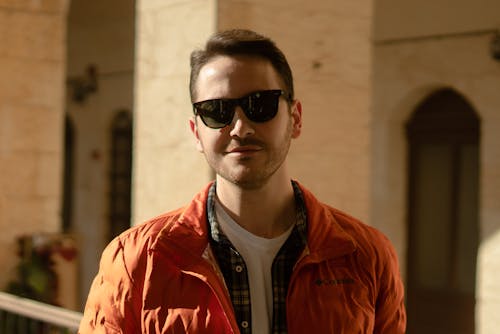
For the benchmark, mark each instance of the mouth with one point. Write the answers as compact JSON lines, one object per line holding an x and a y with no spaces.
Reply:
{"x":244,"y":149}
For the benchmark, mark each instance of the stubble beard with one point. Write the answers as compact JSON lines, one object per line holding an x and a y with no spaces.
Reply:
{"x":249,"y":177}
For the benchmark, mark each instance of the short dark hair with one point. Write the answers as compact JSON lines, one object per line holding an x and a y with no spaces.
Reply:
{"x":240,"y":42}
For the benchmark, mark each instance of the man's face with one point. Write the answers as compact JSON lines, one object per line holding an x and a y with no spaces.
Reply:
{"x":245,"y":153}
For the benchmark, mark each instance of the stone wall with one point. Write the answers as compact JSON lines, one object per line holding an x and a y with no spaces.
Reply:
{"x":410,"y":62}
{"x":32,"y":67}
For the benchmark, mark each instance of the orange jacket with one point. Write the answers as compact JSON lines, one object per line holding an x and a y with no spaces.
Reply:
{"x":161,"y":277}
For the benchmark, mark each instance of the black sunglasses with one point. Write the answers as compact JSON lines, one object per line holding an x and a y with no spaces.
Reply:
{"x":258,"y":107}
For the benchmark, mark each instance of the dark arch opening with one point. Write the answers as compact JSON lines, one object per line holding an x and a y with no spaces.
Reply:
{"x":443,"y":136}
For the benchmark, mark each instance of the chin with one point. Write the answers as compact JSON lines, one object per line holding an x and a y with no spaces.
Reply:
{"x":250,"y":180}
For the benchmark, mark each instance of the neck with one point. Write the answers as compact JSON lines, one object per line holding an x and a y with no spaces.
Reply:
{"x":266,"y":211}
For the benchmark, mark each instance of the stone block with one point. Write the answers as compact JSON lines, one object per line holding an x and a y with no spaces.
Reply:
{"x":19,"y":175}
{"x":48,"y":6}
{"x":32,"y":82}
{"x":31,"y":129}
{"x":32,"y":35}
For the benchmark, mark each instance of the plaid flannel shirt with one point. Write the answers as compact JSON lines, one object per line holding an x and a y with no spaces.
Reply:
{"x":235,"y":273}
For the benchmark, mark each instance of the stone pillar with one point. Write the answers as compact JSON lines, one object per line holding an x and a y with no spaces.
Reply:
{"x":167,"y":169}
{"x":32,"y":67}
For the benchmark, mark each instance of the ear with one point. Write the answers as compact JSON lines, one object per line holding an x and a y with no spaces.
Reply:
{"x":296,"y":118}
{"x":194,"y":129}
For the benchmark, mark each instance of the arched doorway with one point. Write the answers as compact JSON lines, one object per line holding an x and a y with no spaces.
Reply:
{"x":443,"y":136}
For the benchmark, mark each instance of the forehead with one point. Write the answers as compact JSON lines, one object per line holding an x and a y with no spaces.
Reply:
{"x":235,"y":76}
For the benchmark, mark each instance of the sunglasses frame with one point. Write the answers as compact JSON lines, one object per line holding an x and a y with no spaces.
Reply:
{"x":244,"y":103}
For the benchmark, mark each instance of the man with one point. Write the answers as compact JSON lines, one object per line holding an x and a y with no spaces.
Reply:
{"x":254,"y":252}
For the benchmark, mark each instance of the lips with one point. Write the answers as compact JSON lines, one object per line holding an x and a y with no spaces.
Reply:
{"x":244,"y":149}
{"x":244,"y":145}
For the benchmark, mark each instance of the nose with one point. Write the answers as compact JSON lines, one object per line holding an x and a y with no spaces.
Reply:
{"x":241,"y":126}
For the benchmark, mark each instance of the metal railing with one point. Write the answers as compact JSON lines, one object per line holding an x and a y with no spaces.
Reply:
{"x":20,"y":315}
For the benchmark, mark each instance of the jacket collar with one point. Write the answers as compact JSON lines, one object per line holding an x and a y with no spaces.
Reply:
{"x":187,"y":230}
{"x":326,"y":237}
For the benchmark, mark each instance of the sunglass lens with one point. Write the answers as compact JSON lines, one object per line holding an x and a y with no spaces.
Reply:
{"x":214,"y":113}
{"x":262,"y":106}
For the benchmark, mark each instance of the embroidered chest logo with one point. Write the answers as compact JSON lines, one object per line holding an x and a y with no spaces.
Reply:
{"x":333,"y":281}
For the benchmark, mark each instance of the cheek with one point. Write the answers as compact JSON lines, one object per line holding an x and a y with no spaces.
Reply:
{"x":279,"y":128}
{"x":212,"y":140}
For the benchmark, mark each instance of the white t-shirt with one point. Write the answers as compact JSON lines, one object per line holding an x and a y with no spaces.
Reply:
{"x":258,"y":254}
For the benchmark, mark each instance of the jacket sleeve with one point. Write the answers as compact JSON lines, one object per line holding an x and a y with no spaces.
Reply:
{"x":109,"y":307}
{"x":390,"y":313}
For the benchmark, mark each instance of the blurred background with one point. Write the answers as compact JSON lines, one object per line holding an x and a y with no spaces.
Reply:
{"x":401,"y":108}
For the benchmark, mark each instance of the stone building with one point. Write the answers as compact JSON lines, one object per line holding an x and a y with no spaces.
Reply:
{"x":401,"y":128}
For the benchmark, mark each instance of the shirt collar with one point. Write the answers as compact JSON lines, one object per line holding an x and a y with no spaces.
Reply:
{"x":219,"y":237}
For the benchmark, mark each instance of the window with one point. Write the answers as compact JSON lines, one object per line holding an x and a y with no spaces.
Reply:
{"x":120,"y":174}
{"x":443,"y":136}
{"x":67,"y":199}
